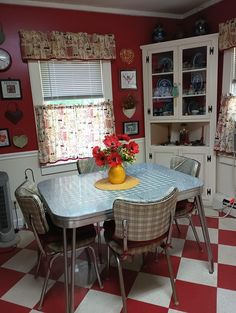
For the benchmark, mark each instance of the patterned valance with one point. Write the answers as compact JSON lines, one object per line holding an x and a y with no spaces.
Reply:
{"x":36,"y":45}
{"x":227,"y":34}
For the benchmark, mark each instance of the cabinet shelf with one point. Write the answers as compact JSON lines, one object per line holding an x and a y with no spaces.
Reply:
{"x":193,"y":69}
{"x":194,"y":95}
{"x":162,"y":73}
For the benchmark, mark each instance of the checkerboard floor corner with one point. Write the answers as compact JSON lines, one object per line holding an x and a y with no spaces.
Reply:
{"x":147,"y":285}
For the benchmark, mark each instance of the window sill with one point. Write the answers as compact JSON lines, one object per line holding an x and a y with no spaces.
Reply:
{"x":59,"y":167}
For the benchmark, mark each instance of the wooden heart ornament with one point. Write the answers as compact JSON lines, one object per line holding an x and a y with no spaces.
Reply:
{"x":14,"y":115}
{"x":20,"y":141}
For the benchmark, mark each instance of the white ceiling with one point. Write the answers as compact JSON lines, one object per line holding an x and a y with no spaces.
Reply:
{"x":161,"y":8}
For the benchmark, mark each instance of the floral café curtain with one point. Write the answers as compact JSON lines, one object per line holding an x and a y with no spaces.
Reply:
{"x":226,"y":125}
{"x":37,"y":45}
{"x":227,"y":115}
{"x":70,"y":132}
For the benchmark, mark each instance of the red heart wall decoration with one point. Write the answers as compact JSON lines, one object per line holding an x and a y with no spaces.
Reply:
{"x":14,"y":116}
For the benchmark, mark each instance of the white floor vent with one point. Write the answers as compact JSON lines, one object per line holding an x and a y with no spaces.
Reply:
{"x":7,"y":233}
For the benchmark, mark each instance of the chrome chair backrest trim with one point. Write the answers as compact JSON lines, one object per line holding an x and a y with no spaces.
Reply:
{"x":185,"y":165}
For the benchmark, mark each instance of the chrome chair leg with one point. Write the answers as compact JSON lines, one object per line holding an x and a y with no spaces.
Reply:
{"x":45,"y":284}
{"x":108,"y":262}
{"x":96,"y":267}
{"x":38,"y":263}
{"x":177,"y":225}
{"x":122,"y":287}
{"x":195,"y":233}
{"x":99,"y":242}
{"x":171,"y":276}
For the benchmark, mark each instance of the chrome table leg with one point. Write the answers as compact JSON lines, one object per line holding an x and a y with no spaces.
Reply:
{"x":205,"y":232}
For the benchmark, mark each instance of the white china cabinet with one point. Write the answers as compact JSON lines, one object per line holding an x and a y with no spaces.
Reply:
{"x":180,"y":94}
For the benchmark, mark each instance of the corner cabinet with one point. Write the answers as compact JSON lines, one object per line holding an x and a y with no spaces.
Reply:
{"x":180,"y":94}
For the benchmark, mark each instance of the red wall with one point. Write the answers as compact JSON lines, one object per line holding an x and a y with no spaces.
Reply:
{"x":130,"y":32}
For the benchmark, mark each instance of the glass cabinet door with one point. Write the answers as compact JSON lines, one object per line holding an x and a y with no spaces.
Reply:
{"x":162,"y":84}
{"x":194,"y":73}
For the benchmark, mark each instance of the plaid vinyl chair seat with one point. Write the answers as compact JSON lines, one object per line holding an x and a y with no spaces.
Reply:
{"x":49,"y":238}
{"x":183,"y":208}
{"x":140,"y":227}
{"x":136,"y":247}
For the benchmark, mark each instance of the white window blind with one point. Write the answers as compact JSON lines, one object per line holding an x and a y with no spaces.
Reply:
{"x":71,"y":79}
{"x":234,"y":72}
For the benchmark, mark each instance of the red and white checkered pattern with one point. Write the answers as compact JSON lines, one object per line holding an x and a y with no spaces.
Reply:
{"x":147,"y":286}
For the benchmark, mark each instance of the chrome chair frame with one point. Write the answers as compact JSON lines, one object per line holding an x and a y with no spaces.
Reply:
{"x":49,"y":243}
{"x":84,"y":166}
{"x":190,"y":167}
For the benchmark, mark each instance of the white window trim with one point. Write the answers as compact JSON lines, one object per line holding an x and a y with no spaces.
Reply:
{"x":37,"y":95}
{"x":228,"y":71}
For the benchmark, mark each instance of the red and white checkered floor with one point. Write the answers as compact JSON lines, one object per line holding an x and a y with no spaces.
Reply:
{"x":148,"y":287}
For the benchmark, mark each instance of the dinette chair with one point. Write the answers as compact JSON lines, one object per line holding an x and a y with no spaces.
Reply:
{"x":141,"y":227}
{"x":87,"y":165}
{"x":185,"y":208}
{"x":49,"y":238}
{"x":84,"y":166}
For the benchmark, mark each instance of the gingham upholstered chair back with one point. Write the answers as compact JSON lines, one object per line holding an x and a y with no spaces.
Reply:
{"x":28,"y":198}
{"x":185,"y":165}
{"x":87,"y":165}
{"x":141,"y":228}
{"x":146,"y":221}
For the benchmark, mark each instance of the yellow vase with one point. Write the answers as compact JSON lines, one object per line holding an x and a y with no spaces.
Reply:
{"x":116,"y":174}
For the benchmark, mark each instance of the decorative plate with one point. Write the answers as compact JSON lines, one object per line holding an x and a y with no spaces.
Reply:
{"x":199,"y":60}
{"x":164,"y":87}
{"x":165,"y":65}
{"x":193,"y":107}
{"x":197,"y":82}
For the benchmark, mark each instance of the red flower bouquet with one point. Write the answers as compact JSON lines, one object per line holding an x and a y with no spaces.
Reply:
{"x":118,"y":149}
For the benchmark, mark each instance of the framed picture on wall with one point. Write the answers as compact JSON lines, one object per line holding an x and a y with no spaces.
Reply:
{"x":128,"y":79}
{"x":4,"y":138}
{"x":10,"y":89}
{"x":131,"y":128}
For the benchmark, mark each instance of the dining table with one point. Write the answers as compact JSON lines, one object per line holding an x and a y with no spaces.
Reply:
{"x":74,"y":200}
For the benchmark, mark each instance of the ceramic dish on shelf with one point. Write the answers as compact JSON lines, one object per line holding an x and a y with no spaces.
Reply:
{"x":199,"y":60}
{"x":165,"y":65}
{"x":193,"y":107}
{"x":164,"y":87}
{"x":197,"y":82}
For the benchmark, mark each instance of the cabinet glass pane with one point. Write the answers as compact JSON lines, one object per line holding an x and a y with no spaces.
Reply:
{"x":162,"y":84}
{"x":194,"y":72}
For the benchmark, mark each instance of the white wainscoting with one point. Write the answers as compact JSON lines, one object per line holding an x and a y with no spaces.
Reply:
{"x":225,"y":181}
{"x":15,"y":164}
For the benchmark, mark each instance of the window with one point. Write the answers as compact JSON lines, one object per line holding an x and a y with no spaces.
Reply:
{"x":229,"y":72}
{"x":72,"y":110}
{"x":225,"y":131}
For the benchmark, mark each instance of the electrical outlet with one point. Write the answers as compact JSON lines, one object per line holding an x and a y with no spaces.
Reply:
{"x":227,"y":203}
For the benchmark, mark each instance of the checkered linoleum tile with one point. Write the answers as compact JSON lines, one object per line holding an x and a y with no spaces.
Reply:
{"x":147,"y":286}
